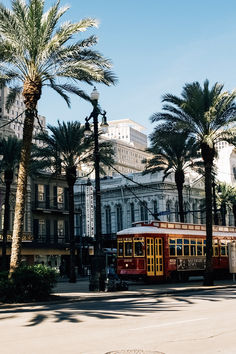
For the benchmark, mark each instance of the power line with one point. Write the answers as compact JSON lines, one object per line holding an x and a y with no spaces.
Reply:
{"x":12,"y":120}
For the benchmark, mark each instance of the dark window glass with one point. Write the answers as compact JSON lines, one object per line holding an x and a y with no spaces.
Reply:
{"x":138,"y":248}
{"x":186,"y":250}
{"x":199,"y":250}
{"x":172,"y":250}
{"x":179,"y":250}
{"x":193,"y":250}
{"x":120,"y":249}
{"x":128,"y":249}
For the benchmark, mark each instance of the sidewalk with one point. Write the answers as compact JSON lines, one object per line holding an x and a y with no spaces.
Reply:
{"x":80,"y":289}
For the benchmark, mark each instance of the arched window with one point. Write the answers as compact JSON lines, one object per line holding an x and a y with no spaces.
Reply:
{"x":143,"y":211}
{"x":195,"y":213}
{"x":187,"y":214}
{"x":176,"y":211}
{"x":132,"y":213}
{"x":108,"y":219}
{"x":155,"y":210}
{"x":119,"y":217}
{"x":169,"y":208}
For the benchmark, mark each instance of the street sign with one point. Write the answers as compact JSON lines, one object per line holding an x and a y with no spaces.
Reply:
{"x":89,"y":211}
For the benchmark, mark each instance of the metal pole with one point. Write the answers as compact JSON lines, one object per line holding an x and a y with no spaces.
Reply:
{"x":98,"y":246}
{"x":97,"y":280}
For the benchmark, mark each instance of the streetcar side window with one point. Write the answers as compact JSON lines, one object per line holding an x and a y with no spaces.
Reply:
{"x":193,"y":248}
{"x":179,"y":247}
{"x":186,"y":247}
{"x":128,"y":249}
{"x":172,"y":247}
{"x":138,"y":249}
{"x":200,"y":247}
{"x":223,"y":248}
{"x":215,"y":248}
{"x":120,"y":248}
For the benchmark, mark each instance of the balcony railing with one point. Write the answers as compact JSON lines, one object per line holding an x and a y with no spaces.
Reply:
{"x":51,"y":239}
{"x":42,"y":205}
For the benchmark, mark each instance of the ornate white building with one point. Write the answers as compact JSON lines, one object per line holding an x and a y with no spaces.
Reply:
{"x":139,"y":197}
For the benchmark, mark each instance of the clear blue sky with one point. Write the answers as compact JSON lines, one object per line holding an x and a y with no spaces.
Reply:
{"x":156,"y":46}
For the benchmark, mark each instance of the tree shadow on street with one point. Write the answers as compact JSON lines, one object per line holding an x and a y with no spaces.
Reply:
{"x":126,"y":305}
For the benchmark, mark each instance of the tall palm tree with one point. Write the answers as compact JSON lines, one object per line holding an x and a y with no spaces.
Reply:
{"x":64,"y":150}
{"x":35,"y":52}
{"x":173,"y":152}
{"x":10,"y":152}
{"x":207,"y":114}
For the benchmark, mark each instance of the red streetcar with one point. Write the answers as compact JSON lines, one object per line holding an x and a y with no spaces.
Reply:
{"x":164,"y":250}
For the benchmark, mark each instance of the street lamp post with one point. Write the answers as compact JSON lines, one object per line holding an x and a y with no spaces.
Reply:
{"x":98,"y":265}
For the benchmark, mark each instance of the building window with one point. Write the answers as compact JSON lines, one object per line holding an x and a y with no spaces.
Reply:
{"x":168,"y":208}
{"x":41,"y":230}
{"x":60,"y":230}
{"x":143,"y":211}
{"x":132,"y":213}
{"x":119,"y":217}
{"x":177,"y":212}
{"x":108,"y":219}
{"x":41,"y":194}
{"x":78,"y":223}
{"x":155,"y":212}
{"x":60,"y":197}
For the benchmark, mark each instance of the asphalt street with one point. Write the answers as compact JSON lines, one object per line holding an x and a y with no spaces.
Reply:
{"x":200,"y":321}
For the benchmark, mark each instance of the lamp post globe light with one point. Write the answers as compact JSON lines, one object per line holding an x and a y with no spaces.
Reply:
{"x":98,"y":264}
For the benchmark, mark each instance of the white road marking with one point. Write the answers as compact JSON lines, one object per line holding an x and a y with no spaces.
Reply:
{"x":169,"y":324}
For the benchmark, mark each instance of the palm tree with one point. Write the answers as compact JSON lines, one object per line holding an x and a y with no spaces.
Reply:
{"x":36,"y":52}
{"x":10,"y":152}
{"x":64,"y":150}
{"x":207,"y":114}
{"x":173,"y":151}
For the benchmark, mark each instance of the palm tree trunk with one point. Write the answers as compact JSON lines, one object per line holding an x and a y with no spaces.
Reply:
{"x":223,"y":213}
{"x":8,"y":181}
{"x":71,"y":178}
{"x":208,"y":276}
{"x":21,"y":191}
{"x":208,"y":154}
{"x":179,"y":180}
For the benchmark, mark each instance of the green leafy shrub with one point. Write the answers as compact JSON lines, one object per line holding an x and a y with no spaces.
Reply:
{"x":28,"y":283}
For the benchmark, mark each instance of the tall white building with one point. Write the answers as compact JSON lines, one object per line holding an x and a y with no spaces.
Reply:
{"x":129,"y":143}
{"x":16,"y":127}
{"x":128,"y":131}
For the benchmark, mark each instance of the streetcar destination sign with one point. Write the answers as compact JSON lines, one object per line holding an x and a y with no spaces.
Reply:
{"x":184,"y":264}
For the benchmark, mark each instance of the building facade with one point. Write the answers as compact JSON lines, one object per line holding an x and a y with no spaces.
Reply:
{"x":17,"y":110}
{"x":138,"y":197}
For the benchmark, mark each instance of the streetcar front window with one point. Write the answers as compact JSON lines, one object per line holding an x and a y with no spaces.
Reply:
{"x":128,"y":249}
{"x":138,"y":249}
